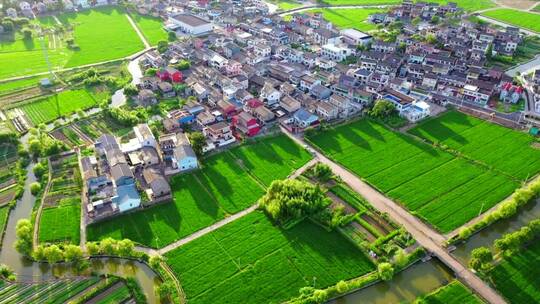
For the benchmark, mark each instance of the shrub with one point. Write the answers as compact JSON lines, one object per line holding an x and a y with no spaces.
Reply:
{"x":386,"y":271}
{"x":35,"y":187}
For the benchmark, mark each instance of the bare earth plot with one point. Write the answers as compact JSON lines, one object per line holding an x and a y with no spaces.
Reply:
{"x":435,"y":185}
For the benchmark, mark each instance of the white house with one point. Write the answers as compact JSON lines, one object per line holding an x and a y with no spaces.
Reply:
{"x":335,"y":52}
{"x":418,"y":111}
{"x":144,"y":136}
{"x":191,"y":24}
{"x":269,"y":94}
{"x":355,"y":37}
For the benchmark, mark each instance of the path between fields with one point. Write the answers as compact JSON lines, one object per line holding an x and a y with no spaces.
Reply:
{"x":40,"y":209}
{"x":223,"y":222}
{"x":425,"y":235}
{"x":136,"y":28}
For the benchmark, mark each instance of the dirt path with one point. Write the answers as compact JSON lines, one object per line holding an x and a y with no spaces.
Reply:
{"x":136,"y":28}
{"x":82,"y":221}
{"x":40,"y":209}
{"x":425,"y":235}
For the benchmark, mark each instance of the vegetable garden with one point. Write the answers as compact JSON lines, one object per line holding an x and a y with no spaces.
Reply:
{"x":437,"y":186}
{"x":252,"y":260}
{"x":228,"y":183}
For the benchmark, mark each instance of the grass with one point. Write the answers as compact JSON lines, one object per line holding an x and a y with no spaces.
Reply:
{"x":409,"y":172}
{"x":62,"y":104}
{"x":517,"y":277}
{"x":517,"y":18}
{"x":61,"y":223}
{"x":453,"y":293}
{"x":349,"y":18}
{"x":206,"y":196}
{"x":102,"y":34}
{"x":151,"y":27}
{"x":501,"y":148}
{"x":253,"y":261}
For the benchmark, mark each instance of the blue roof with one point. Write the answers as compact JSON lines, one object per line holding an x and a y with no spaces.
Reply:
{"x":127,"y":194}
{"x":304,"y":115}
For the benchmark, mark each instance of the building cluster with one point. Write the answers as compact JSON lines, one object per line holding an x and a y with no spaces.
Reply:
{"x":33,"y":8}
{"x":121,"y":177}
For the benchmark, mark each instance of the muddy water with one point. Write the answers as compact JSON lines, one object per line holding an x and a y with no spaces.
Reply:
{"x":29,"y":271}
{"x":487,"y":236}
{"x":406,"y":286}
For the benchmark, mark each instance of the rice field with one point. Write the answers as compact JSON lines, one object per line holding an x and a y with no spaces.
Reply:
{"x":201,"y":198}
{"x":504,"y":149}
{"x":151,"y":27}
{"x":349,"y":18}
{"x":517,"y":18}
{"x":517,"y":277}
{"x":62,"y":104}
{"x":11,"y":86}
{"x":60,"y":224}
{"x":444,"y":190}
{"x":468,"y":5}
{"x":453,"y":293}
{"x":252,"y":261}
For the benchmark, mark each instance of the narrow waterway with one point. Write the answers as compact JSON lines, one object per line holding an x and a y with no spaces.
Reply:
{"x":487,"y":236}
{"x":406,"y":286}
{"x":29,"y":271}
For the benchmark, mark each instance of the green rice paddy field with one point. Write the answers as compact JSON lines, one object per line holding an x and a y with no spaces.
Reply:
{"x":61,"y":104}
{"x":252,"y":261}
{"x":435,"y":185}
{"x":349,"y":18}
{"x":522,"y":19}
{"x":102,"y":34}
{"x":151,"y":27}
{"x":468,"y":5}
{"x":61,"y":223}
{"x":228,"y":183}
{"x":517,"y":277}
{"x":453,"y":293}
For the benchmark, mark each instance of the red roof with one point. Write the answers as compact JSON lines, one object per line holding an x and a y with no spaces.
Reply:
{"x":254,"y":103}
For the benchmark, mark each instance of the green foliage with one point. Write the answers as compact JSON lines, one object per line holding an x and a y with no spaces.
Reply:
{"x":322,"y":172}
{"x":512,"y":243}
{"x":183,"y":65}
{"x":72,"y":253}
{"x":198,"y":142}
{"x":24,"y":230}
{"x":53,"y":254}
{"x":164,"y":290}
{"x":453,"y":293}
{"x":289,"y":200}
{"x":386,"y":271}
{"x":382,"y":109}
{"x":481,"y":259}
{"x":162,"y":46}
{"x":35,"y":187}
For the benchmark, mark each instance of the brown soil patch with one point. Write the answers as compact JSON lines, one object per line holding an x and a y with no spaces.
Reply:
{"x":519,"y":4}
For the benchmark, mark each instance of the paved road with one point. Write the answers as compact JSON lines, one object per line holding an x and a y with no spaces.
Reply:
{"x":136,"y":28}
{"x":425,"y":235}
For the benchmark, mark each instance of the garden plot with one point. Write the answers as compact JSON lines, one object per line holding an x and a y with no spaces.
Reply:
{"x":54,"y":292}
{"x":441,"y":188}
{"x":222,"y":187}
{"x":507,"y":150}
{"x":99,"y":124}
{"x":252,"y":261}
{"x":61,"y":213}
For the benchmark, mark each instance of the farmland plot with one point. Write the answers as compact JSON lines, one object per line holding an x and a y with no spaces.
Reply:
{"x":453,"y":293}
{"x":252,"y":260}
{"x":517,"y":277}
{"x":222,"y":187}
{"x":502,"y":148}
{"x":444,"y":190}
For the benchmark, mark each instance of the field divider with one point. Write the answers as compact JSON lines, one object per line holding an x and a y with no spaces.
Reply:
{"x":40,"y":209}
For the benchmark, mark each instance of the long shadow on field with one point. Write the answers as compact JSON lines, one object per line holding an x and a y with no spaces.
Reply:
{"x":353,"y":136}
{"x":212,"y":176}
{"x":327,"y":142}
{"x":420,"y":145}
{"x":210,"y":208}
{"x":441,"y":132}
{"x":367,"y":127}
{"x":518,"y":295}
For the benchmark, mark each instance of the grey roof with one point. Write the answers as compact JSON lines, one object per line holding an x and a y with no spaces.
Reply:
{"x":121,"y":170}
{"x":190,"y":19}
{"x":107,"y":141}
{"x":183,"y":151}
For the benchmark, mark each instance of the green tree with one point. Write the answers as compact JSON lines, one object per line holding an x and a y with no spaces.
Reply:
{"x":322,"y":172}
{"x":416,"y":21}
{"x":198,"y":142}
{"x":35,"y":187}
{"x":53,"y":254}
{"x":386,"y":271}
{"x":481,"y":259}
{"x":27,"y":33}
{"x":155,"y":260}
{"x":92,"y":248}
{"x":108,"y":246}
{"x":24,"y":237}
{"x":162,"y":46}
{"x":183,"y":65}
{"x":342,"y":286}
{"x":125,"y":247}
{"x":72,"y":253}
{"x":164,"y":290}
{"x":39,"y":253}
{"x":383,"y":109}
{"x":435,"y":19}
{"x":171,"y":36}
{"x":130,"y":90}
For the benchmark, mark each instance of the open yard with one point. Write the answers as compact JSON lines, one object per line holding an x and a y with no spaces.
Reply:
{"x":444,"y":190}
{"x":61,"y":104}
{"x":453,"y":293}
{"x":253,"y":261}
{"x":504,"y":149}
{"x":522,"y":19}
{"x":151,"y":27}
{"x":349,"y":18}
{"x":201,"y":198}
{"x":101,"y":34}
{"x":517,"y":277}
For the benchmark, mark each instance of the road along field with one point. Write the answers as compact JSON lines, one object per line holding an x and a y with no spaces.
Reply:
{"x":443,"y":189}
{"x":252,"y":261}
{"x":151,"y":27}
{"x":228,"y":183}
{"x":517,"y":18}
{"x":453,"y":293}
{"x":517,"y":277}
{"x":498,"y":147}
{"x":101,"y":34}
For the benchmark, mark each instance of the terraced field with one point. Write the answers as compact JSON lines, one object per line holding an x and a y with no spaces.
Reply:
{"x":226,"y":185}
{"x":253,"y":261}
{"x":444,"y":190}
{"x":517,"y":277}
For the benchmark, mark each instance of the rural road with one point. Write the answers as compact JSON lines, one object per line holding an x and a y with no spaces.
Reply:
{"x":425,"y":235}
{"x":42,"y":202}
{"x":221,"y":223}
{"x":136,"y":28}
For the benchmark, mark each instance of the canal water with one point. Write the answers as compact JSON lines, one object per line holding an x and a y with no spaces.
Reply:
{"x":487,"y":236}
{"x":406,"y":286}
{"x":29,"y":271}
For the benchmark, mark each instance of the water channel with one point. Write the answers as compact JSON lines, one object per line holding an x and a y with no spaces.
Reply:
{"x":29,"y":271}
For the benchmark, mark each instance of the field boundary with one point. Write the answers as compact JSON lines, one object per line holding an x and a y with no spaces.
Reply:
{"x":40,"y":209}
